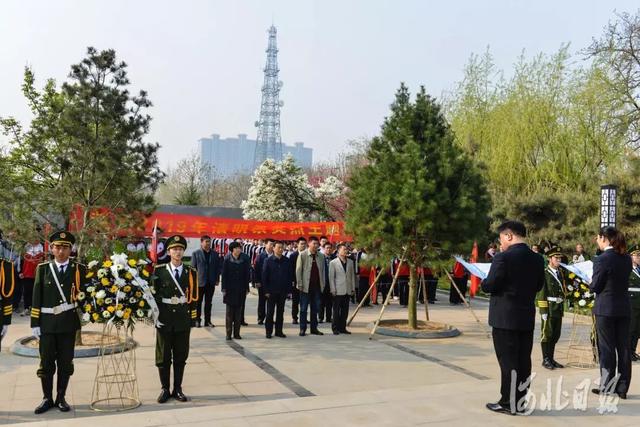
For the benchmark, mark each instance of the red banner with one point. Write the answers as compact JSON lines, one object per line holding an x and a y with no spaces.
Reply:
{"x":197,"y":226}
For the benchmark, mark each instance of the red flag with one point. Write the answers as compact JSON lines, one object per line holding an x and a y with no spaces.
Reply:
{"x":47,"y":233}
{"x":153,"y":251}
{"x":372,"y":278}
{"x":475,"y":281}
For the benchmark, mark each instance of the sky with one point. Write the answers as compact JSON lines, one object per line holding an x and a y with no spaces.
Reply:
{"x":341,"y":61}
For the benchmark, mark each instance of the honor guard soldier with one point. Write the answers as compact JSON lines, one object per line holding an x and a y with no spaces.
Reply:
{"x":634,"y":296}
{"x":7,"y":286}
{"x":54,"y":318}
{"x":550,"y":301}
{"x":176,"y":287}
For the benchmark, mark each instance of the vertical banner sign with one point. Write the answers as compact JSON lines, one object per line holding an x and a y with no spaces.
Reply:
{"x":608,"y":195}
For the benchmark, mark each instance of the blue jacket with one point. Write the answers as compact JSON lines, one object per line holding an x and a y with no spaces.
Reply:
{"x":277,"y":276}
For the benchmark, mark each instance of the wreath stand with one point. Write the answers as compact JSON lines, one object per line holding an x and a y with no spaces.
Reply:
{"x":115,"y":387}
{"x":583,"y":348}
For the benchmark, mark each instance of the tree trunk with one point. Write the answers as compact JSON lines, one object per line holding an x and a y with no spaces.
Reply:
{"x":413,"y":297}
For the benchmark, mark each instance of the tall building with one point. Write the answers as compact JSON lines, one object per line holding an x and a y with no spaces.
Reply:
{"x":230,"y":156}
{"x":269,"y":141}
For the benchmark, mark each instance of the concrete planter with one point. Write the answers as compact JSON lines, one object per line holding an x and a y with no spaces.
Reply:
{"x":22,"y":348}
{"x":437,"y":330}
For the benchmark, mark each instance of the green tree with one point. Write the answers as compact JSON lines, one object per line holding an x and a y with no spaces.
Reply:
{"x":85,"y":147}
{"x":417,"y":192}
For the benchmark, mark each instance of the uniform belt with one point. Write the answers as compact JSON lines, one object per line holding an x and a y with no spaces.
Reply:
{"x":175,"y":300}
{"x":553,"y":299}
{"x":634,"y":289}
{"x":58,"y":309}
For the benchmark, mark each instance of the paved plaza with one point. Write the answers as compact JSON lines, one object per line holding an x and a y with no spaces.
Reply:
{"x":320,"y":380}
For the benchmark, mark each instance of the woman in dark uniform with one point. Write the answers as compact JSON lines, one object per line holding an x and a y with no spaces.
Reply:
{"x":612,"y":310}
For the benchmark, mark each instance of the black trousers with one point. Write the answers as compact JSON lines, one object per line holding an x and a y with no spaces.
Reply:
{"x":295,"y":303}
{"x":403,"y":290}
{"x":275,"y":306}
{"x":262,"y":305}
{"x":56,"y":350}
{"x":233,"y":320}
{"x":326,"y":306}
{"x":513,"y":350}
{"x":613,"y":339}
{"x":432,"y":287}
{"x":454,"y":297}
{"x":205,"y":294}
{"x":363,"y":287}
{"x":172,"y":346}
{"x":340,"y":313}
{"x":244,"y":301}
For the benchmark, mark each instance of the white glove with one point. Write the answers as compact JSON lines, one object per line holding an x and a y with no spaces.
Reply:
{"x":36,"y":332}
{"x":5,"y":329}
{"x":545,"y":317}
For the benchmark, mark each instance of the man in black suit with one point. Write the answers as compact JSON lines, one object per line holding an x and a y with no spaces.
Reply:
{"x":516,"y":275}
{"x":612,"y":310}
{"x":208,"y":264}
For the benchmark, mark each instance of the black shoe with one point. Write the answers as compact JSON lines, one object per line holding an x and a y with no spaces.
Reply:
{"x":268,"y":336}
{"x":302,"y":333}
{"x":556,"y":364}
{"x":295,"y":321}
{"x":179,"y":396}
{"x":497,"y":407}
{"x":635,"y":357}
{"x":622,"y":395}
{"x":316,"y":332}
{"x":598,"y":391}
{"x":44,"y":406}
{"x":237,"y":337}
{"x":62,"y":404}
{"x":260,"y":322}
{"x":211,"y":325}
{"x":280,"y":335}
{"x":164,"y":396}
{"x":336,"y":333}
{"x":228,"y":338}
{"x":547,"y":363}
{"x":345,"y":332}
{"x":244,"y":323}
{"x":207,"y":324}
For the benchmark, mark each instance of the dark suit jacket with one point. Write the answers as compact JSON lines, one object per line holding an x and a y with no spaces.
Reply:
{"x":516,"y":275}
{"x":610,"y":282}
{"x":208,"y":275}
{"x":235,"y":279}
{"x":276,"y":276}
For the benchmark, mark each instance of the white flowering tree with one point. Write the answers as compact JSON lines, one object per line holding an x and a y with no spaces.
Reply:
{"x":280,"y":191}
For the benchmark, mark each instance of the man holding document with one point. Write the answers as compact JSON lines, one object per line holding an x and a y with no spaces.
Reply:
{"x":515,"y":277}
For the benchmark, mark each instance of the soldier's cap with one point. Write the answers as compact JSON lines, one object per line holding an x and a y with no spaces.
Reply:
{"x":634,"y":250}
{"x":554,"y":251}
{"x":62,"y":237}
{"x":176,"y":240}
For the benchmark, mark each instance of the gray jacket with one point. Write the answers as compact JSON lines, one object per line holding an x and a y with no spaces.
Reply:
{"x":208,"y":275}
{"x":341,"y":281}
{"x":303,"y":270}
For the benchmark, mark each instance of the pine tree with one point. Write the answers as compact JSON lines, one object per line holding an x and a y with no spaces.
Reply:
{"x":418,"y":192}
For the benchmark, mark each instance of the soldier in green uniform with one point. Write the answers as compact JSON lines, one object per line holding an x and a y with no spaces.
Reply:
{"x":54,"y":318}
{"x":550,"y":301}
{"x":176,"y":287}
{"x":634,"y":296}
{"x":7,"y":286}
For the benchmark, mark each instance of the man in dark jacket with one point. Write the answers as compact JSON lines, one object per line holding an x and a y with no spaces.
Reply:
{"x":516,"y":275}
{"x":277,"y":280}
{"x":236,"y":274}
{"x":259,"y":264}
{"x":207,"y":262}
{"x":295,"y":293}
